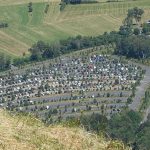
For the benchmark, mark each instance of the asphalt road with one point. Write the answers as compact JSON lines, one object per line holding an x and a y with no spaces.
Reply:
{"x":146,"y":114}
{"x":140,"y":92}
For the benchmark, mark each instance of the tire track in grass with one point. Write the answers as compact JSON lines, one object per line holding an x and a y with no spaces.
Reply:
{"x":11,"y":44}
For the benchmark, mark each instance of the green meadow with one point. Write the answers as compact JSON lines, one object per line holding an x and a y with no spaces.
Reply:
{"x":86,"y":19}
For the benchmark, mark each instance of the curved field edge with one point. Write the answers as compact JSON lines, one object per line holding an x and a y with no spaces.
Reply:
{"x":89,"y":20}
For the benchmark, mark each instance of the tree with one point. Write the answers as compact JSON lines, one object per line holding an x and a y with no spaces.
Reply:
{"x":108,"y":94}
{"x":143,"y":137}
{"x":37,"y":50}
{"x":30,"y":7}
{"x":133,"y":14}
{"x":138,"y":14}
{"x":3,"y":25}
{"x":146,"y":28}
{"x":95,"y":122}
{"x":46,"y":8}
{"x":134,"y":46}
{"x":39,"y":93}
{"x":136,"y":31}
{"x":125,"y":30}
{"x":62,"y":6}
{"x":124,"y":125}
{"x":128,"y":21}
{"x":5,"y":62}
{"x":2,"y":61}
{"x":129,"y":100}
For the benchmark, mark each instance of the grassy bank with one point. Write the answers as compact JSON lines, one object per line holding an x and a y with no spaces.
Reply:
{"x":25,"y":132}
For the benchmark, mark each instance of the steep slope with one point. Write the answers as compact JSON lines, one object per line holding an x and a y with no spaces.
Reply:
{"x":24,"y":132}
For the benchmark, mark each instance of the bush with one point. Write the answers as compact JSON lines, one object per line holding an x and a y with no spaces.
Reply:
{"x":62,"y":6}
{"x":46,"y":8}
{"x":3,"y":25}
{"x":136,"y":31}
{"x":30,"y":7}
{"x":124,"y":126}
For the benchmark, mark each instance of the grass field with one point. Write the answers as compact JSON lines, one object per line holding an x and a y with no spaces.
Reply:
{"x":86,"y":19}
{"x":25,"y":132}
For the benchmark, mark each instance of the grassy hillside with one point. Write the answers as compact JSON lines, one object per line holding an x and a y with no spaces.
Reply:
{"x":21,"y":133}
{"x":17,"y":2}
{"x":25,"y":29}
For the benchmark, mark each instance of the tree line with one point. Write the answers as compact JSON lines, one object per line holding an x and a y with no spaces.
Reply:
{"x":125,"y":126}
{"x":128,"y":41}
{"x":74,"y":2}
{"x":78,"y":1}
{"x":41,"y":51}
{"x":5,"y":62}
{"x":3,"y":25}
{"x":134,"y":47}
{"x":30,"y":7}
